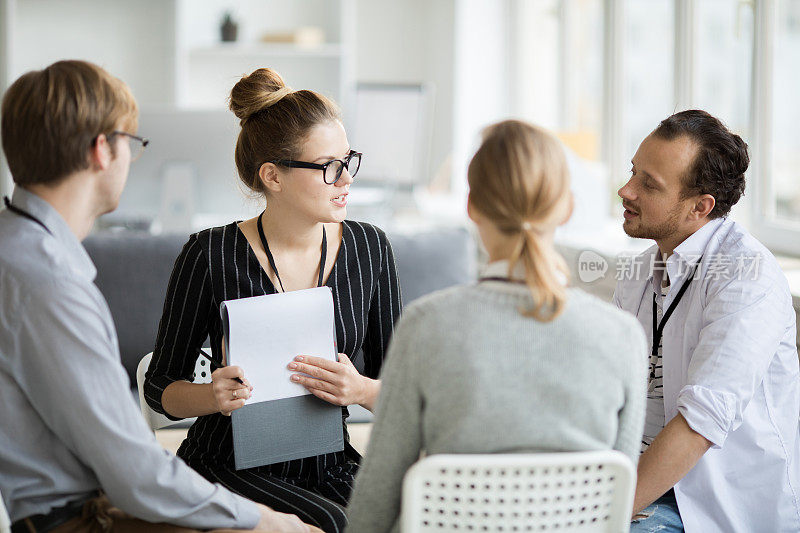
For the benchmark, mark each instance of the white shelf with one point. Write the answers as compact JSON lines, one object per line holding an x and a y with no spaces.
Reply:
{"x":206,"y":69}
{"x":267,"y":50}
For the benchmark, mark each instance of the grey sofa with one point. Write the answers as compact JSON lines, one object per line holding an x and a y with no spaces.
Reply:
{"x":133,"y":270}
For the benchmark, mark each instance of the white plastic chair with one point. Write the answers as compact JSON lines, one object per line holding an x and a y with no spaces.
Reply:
{"x":202,"y":374}
{"x":5,"y":522}
{"x":564,"y":492}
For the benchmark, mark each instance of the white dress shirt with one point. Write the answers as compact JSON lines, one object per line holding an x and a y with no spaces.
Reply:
{"x":68,"y":423}
{"x":730,"y":367}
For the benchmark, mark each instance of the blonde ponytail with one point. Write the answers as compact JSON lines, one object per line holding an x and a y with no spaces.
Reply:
{"x":543,"y":265}
{"x":518,"y":178}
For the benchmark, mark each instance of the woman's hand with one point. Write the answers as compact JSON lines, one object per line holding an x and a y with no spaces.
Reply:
{"x":228,"y":392}
{"x":336,"y":382}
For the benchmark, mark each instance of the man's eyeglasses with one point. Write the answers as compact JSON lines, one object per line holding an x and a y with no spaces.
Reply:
{"x":332,"y":170}
{"x":136,"y":143}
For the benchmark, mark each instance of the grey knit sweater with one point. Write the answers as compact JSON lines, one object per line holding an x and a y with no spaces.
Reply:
{"x":467,"y":373}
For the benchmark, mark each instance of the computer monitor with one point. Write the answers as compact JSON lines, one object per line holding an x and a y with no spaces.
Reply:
{"x":391,"y":125}
{"x":187,"y":169}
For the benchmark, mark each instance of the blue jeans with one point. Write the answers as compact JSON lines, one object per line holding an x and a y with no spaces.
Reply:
{"x":663,"y":516}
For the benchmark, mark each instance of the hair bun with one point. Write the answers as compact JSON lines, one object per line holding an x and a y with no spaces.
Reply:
{"x":256,"y":92}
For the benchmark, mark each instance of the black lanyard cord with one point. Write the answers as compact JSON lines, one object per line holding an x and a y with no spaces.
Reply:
{"x":658,"y":329}
{"x":503,"y":280}
{"x":21,"y":212}
{"x":272,"y":260}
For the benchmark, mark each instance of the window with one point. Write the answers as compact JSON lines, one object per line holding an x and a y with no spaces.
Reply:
{"x":776,"y":119}
{"x":649,"y":73}
{"x":785,"y":154}
{"x":623,"y":65}
{"x":557,"y":82}
{"x":723,"y":67}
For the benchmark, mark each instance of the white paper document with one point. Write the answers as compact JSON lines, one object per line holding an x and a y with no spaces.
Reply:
{"x":265,"y":333}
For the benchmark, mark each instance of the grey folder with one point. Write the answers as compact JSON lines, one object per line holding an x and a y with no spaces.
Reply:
{"x":280,"y":430}
{"x":286,"y":429}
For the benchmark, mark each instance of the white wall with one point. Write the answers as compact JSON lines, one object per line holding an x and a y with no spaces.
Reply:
{"x":6,"y":38}
{"x":409,"y":41}
{"x":201,"y":19}
{"x":135,"y":43}
{"x":134,"y":40}
{"x":412,"y":42}
{"x":482,"y":58}
{"x":536,"y":88}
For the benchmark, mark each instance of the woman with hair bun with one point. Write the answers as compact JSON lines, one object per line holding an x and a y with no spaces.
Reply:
{"x":517,"y":362}
{"x":293,"y":151}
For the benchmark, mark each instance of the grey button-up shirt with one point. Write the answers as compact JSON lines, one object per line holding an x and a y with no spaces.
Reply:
{"x":68,"y":424}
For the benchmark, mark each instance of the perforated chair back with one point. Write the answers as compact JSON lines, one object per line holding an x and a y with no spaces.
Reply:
{"x":5,"y":522}
{"x":202,"y":374}
{"x":563,"y":492}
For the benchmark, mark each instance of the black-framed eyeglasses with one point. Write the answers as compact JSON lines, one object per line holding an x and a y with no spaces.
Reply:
{"x":137,"y":144}
{"x":332,"y":170}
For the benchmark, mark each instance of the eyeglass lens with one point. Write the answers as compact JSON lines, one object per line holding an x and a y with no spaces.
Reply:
{"x":334,"y":170}
{"x":137,"y":148}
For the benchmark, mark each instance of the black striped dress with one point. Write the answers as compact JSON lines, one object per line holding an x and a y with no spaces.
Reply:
{"x":218,"y":264}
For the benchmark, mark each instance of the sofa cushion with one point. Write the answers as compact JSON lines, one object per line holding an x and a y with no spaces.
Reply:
{"x":133,"y":270}
{"x":434,"y":259}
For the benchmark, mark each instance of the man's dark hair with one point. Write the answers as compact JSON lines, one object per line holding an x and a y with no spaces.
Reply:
{"x":721,"y":161}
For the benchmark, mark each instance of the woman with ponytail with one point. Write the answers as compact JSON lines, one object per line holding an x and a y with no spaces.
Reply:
{"x":293,"y":153}
{"x":517,"y":362}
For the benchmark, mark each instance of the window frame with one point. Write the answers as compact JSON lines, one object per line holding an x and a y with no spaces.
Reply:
{"x":778,"y":235}
{"x":758,"y":206}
